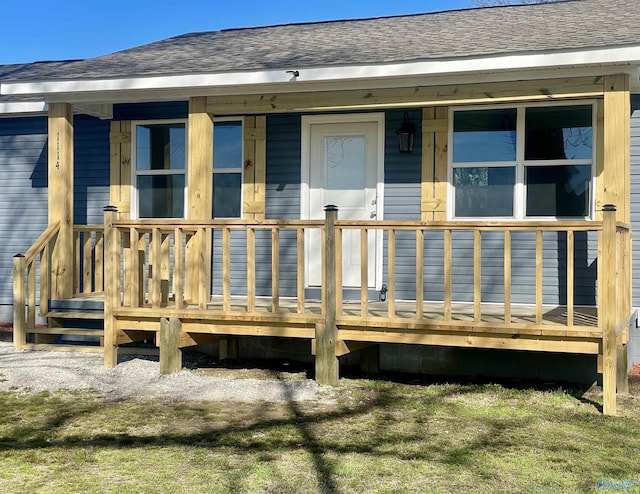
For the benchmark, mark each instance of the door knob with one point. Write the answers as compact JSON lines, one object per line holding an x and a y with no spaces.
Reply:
{"x":373,"y":214}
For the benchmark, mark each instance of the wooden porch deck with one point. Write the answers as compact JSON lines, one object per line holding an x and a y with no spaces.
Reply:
{"x":156,"y":278}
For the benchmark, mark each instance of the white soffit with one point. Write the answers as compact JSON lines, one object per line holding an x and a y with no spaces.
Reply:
{"x":628,"y":57}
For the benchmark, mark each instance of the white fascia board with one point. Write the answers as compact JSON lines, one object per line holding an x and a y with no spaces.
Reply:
{"x":572,"y":59}
{"x":22,"y":107}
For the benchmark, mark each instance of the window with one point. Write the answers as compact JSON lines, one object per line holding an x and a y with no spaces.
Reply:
{"x":227,"y":169}
{"x":523,"y":162}
{"x":159,"y":174}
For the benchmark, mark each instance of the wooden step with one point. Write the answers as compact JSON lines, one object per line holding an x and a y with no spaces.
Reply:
{"x":76,"y":315}
{"x":69,"y":331}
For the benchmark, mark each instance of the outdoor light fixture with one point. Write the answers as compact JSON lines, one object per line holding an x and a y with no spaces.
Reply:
{"x":405,"y":134}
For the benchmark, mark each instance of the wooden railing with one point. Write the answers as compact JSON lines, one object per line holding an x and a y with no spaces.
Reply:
{"x":25,"y":287}
{"x":157,"y":271}
{"x":88,"y":247}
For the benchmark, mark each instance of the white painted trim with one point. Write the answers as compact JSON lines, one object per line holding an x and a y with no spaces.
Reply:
{"x":625,"y":56}
{"x":305,"y":163}
{"x":21,"y":107}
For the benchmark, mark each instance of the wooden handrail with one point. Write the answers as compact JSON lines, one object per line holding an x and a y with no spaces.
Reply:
{"x":51,"y":231}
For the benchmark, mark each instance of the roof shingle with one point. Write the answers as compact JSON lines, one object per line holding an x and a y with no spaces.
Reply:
{"x":560,"y":26}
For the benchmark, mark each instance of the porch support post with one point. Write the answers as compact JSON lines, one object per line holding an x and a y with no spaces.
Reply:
{"x":111,"y":286}
{"x":327,"y":333}
{"x":200,"y":198}
{"x":60,"y":190}
{"x":19,"y":301}
{"x":608,"y":307}
{"x":617,"y":152}
{"x":170,"y":352}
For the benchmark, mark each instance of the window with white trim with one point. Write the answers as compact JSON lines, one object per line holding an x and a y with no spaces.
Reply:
{"x":160,"y":167}
{"x":159,"y":175}
{"x":530,"y":161}
{"x":227,"y":169}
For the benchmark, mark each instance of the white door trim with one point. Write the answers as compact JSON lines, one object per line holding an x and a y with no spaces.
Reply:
{"x":305,"y":206}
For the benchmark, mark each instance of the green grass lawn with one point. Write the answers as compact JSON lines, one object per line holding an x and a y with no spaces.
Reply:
{"x":368,"y":436}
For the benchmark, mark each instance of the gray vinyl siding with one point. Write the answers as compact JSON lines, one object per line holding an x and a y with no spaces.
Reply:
{"x":23,"y":188}
{"x":635,"y":194}
{"x":23,"y":195}
{"x":91,"y":165}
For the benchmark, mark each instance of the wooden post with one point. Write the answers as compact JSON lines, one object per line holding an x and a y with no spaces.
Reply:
{"x":370,"y":359}
{"x":327,"y":332}
{"x":609,"y":307}
{"x":60,"y":190}
{"x":228,"y":349}
{"x":170,"y":353}
{"x":616,"y":145}
{"x":19,"y":322}
{"x":111,"y":286}
{"x":200,"y":197}
{"x":622,"y":371}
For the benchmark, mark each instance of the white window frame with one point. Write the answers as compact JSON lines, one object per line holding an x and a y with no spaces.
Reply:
{"x":134,"y":168}
{"x":215,"y":170}
{"x":520,"y":192}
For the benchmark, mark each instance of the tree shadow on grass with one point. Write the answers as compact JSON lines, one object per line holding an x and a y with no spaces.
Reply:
{"x":387,"y":421}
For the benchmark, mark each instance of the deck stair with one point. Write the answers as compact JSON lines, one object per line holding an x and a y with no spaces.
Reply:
{"x":73,"y":325}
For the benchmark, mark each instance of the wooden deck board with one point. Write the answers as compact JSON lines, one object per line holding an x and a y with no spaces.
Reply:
{"x":523,"y":317}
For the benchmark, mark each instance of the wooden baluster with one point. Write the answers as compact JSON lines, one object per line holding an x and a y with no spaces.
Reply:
{"x":507,"y":277}
{"x":539,"y":268}
{"x":204,"y":267}
{"x":133,"y":273}
{"x":364,"y":273}
{"x":447,"y":275}
{"x":477,"y":275}
{"x":45,"y":279}
{"x":31,"y":285}
{"x":251,"y":269}
{"x":143,"y":265}
{"x":275,"y":269}
{"x":419,"y":274}
{"x":99,"y":262}
{"x":570,"y":276}
{"x":165,"y":259}
{"x":391,"y":293}
{"x":226,"y":269}
{"x":76,"y":263}
{"x":154,"y":260}
{"x":87,"y":262}
{"x":300,"y":269}
{"x":338,"y":252}
{"x":178,"y":268}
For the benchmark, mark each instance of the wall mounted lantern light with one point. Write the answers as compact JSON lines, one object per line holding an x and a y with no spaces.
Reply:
{"x":405,"y":134}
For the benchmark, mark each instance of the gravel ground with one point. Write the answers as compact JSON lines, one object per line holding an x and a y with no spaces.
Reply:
{"x":36,"y":371}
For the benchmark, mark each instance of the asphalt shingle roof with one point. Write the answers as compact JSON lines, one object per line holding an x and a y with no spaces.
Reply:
{"x":565,"y":25}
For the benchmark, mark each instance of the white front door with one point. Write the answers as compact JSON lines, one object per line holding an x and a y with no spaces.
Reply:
{"x":344,"y":168}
